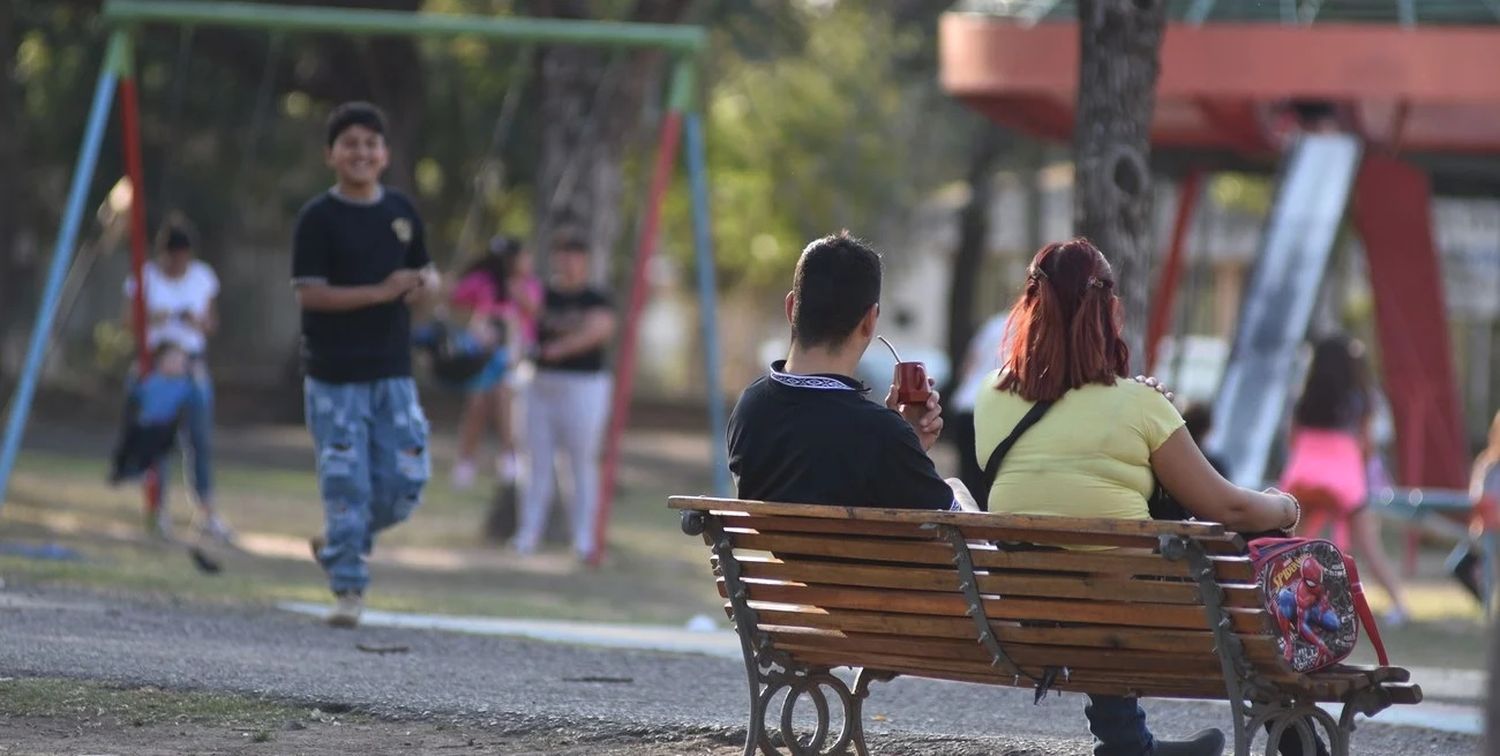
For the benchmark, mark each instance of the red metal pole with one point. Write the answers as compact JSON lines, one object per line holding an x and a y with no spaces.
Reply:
{"x":661,"y":175}
{"x":130,"y":116}
{"x":1166,"y":292}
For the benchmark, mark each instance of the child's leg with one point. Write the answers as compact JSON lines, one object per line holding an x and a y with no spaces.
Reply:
{"x":540,"y":435}
{"x":400,"y":460}
{"x":581,"y":424}
{"x":471,"y":424}
{"x":502,"y":397}
{"x":338,"y":416}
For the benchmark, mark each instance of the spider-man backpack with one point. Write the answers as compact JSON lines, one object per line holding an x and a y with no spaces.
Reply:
{"x":1312,"y":591}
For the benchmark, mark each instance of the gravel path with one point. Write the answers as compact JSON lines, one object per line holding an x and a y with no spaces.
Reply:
{"x":528,"y":686}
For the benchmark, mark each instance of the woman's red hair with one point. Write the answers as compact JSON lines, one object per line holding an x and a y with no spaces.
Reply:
{"x":1064,"y":331}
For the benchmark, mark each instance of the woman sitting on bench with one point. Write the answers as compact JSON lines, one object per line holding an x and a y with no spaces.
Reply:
{"x":1101,"y":447}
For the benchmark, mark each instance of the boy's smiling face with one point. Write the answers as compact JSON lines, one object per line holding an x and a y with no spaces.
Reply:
{"x":358,"y":156}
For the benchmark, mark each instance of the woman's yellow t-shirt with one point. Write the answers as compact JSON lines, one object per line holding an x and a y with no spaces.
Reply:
{"x":1089,"y":456}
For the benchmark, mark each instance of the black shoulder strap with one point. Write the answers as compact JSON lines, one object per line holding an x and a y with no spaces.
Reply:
{"x":992,"y":468}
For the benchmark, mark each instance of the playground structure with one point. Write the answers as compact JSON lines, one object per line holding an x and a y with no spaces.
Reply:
{"x":1228,"y":92}
{"x":1352,"y":99}
{"x":681,"y":125}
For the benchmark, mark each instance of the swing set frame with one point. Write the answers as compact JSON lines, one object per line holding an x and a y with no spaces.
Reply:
{"x":681,"y":123}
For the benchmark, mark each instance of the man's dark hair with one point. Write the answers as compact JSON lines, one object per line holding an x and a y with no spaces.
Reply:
{"x":836,"y":283}
{"x":172,"y":237}
{"x":354,"y":114}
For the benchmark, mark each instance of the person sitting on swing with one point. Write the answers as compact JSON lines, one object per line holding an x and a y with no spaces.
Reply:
{"x":153,"y":408}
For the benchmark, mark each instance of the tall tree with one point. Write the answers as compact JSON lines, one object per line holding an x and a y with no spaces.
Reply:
{"x":590,"y":103}
{"x":1120,"y":45}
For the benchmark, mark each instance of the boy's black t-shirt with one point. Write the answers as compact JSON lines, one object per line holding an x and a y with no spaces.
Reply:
{"x":341,"y":242}
{"x":815,"y":439}
{"x":563,"y":313}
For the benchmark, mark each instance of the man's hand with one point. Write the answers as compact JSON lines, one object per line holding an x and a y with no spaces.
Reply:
{"x":400,"y":283}
{"x":926,"y":419}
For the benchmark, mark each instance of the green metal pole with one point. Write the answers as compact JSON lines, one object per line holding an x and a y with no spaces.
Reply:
{"x":674,"y":37}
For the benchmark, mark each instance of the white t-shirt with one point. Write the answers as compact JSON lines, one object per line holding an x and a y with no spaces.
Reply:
{"x":190,"y":293}
{"x":982,"y":358}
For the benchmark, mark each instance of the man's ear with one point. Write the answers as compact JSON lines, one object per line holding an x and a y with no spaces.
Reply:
{"x":328,"y":156}
{"x":867,"y":323}
{"x":791,"y":304}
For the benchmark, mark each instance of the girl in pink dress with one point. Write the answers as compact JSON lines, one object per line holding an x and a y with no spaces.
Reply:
{"x":1328,"y":456}
{"x":501,"y":288}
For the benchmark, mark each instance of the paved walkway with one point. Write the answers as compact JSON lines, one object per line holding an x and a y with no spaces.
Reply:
{"x":1453,"y":697}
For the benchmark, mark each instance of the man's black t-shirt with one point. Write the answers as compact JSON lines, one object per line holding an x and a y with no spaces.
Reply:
{"x":562,"y":314}
{"x":341,"y":242}
{"x":815,"y":439}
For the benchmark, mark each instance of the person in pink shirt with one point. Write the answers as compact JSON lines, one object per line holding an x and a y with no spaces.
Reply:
{"x":502,"y":288}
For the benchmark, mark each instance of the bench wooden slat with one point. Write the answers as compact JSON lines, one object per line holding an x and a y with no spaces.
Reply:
{"x":1260,"y":648}
{"x":1151,"y":528}
{"x":1129,"y":564}
{"x":981,"y":668}
{"x":1002,"y":583}
{"x":1227,"y":544}
{"x":952,"y":604}
{"x":972,"y":651}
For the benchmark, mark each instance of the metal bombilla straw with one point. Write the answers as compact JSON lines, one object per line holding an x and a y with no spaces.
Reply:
{"x":888,"y":346}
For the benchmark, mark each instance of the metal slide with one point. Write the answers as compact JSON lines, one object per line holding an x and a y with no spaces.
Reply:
{"x":1279,"y":302}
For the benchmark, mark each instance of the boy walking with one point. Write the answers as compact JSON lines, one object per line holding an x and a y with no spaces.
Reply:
{"x":358,"y":260}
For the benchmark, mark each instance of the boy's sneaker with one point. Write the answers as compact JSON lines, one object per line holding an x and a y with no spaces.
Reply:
{"x":346,"y":609}
{"x":463,"y":475}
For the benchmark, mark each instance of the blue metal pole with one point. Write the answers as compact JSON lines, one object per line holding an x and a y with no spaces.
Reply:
{"x":62,"y":257}
{"x":707,"y":298}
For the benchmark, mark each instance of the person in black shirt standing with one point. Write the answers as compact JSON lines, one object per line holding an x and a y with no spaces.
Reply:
{"x":805,"y":434}
{"x":358,"y":260}
{"x":568,"y":402}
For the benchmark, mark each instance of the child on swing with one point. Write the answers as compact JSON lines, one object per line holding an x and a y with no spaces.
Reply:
{"x":152,"y":410}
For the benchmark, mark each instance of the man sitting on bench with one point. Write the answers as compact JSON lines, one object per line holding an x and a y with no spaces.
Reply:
{"x":805,"y":433}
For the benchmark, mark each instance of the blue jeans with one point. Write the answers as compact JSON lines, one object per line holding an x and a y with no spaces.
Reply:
{"x":1119,"y":726}
{"x":371,"y":442}
{"x":198,"y":424}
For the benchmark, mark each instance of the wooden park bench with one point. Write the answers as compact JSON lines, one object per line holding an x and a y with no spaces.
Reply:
{"x":1170,"y":612}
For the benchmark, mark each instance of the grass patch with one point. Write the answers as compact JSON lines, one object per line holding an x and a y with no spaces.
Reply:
{"x":83,"y":702}
{"x":655,"y":573}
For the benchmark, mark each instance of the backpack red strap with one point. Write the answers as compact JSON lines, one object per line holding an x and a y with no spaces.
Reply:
{"x":1362,"y":608}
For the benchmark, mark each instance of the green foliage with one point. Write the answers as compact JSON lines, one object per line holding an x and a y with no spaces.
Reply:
{"x":836,"y":133}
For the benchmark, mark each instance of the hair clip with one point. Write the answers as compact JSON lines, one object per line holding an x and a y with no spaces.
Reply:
{"x":1098,"y":283}
{"x":1038,"y":274}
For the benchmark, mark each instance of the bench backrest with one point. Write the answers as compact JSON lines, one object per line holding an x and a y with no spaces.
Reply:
{"x":890,"y":589}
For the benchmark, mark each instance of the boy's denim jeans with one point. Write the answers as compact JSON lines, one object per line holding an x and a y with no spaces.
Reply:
{"x":371,"y":441}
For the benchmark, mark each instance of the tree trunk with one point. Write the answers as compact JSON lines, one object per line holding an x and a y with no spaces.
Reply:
{"x":15,"y":274}
{"x":590,"y":100}
{"x":973,"y":232}
{"x":1120,"y":43}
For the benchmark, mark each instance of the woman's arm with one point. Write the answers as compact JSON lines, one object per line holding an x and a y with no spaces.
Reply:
{"x":1181,"y":467}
